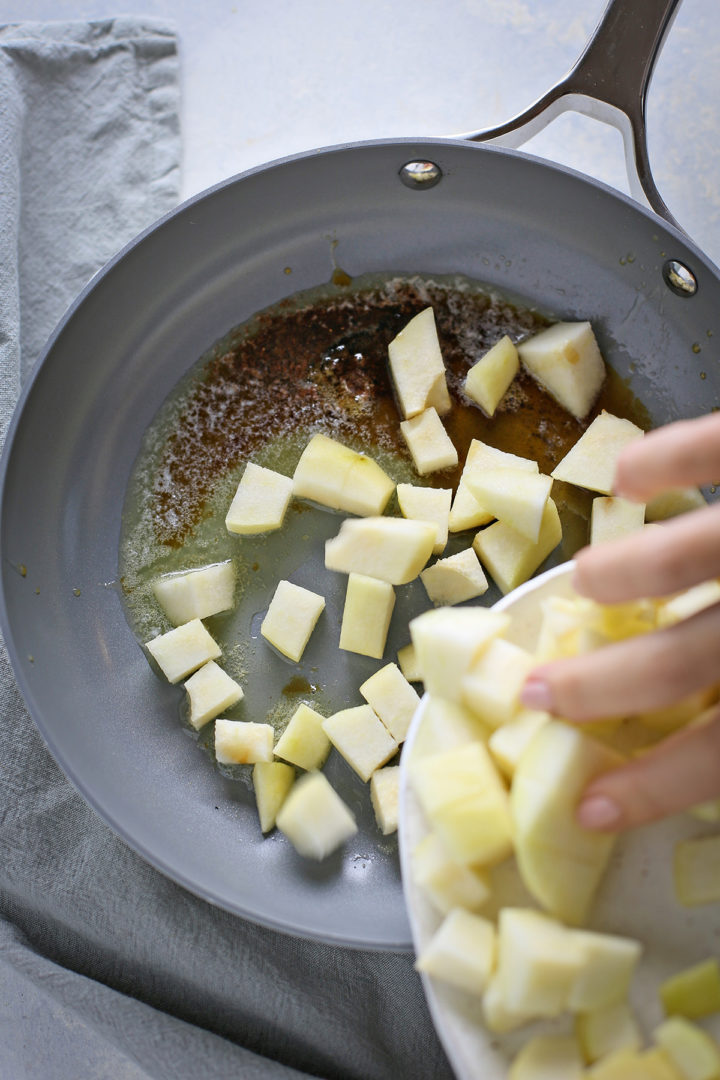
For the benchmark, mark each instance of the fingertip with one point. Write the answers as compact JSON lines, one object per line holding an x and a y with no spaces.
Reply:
{"x":536,"y":693}
{"x":599,"y":813}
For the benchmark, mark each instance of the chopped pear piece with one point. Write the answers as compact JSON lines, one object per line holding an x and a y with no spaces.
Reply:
{"x":693,"y":993}
{"x":384,"y":796}
{"x":427,"y":504}
{"x":368,"y":609}
{"x":688,"y":602}
{"x":392,"y":549}
{"x":560,"y":862}
{"x":488,"y":380}
{"x":607,"y":1031}
{"x":680,"y":713}
{"x":671,"y":503}
{"x":624,"y":1065}
{"x":303,"y":742}
{"x":417,"y":367}
{"x":314,"y":818}
{"x":333,"y":475}
{"x":392,"y":697}
{"x":508,"y":743}
{"x":445,"y":726}
{"x":610,"y":963}
{"x":407,"y":662}
{"x":181,"y":651}
{"x":692,"y":1050}
{"x":548,"y":1057}
{"x":538,"y":962}
{"x":656,"y":1064}
{"x":461,"y":951}
{"x":196,"y":594}
{"x":260,"y":502}
{"x":591,"y":462}
{"x":509,"y":556}
{"x":566,"y":361}
{"x":362,"y":739}
{"x":456,"y":579}
{"x":448,"y":641}
{"x":430,"y":446}
{"x":447,"y":883}
{"x":210,"y":692}
{"x":612,"y":517}
{"x":242,"y":742}
{"x":706,"y":811}
{"x":497,"y":1015}
{"x":491,"y":689}
{"x":514,"y":496}
{"x":272,"y":781}
{"x":466,"y":512}
{"x":291,"y":618}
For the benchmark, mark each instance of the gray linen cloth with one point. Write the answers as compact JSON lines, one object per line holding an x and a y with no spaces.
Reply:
{"x":108,"y":969}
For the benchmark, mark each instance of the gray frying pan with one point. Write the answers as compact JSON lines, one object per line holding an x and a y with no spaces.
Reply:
{"x":570,"y":246}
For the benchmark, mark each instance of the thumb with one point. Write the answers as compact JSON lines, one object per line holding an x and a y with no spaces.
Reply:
{"x":680,"y":772}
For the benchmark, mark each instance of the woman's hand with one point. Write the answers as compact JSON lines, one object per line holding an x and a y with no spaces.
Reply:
{"x":657,"y":669}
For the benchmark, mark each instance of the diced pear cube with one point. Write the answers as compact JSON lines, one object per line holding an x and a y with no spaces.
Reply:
{"x":461,"y":951}
{"x":361,"y":738}
{"x":272,"y":781}
{"x":445,"y":726}
{"x":243,"y":742}
{"x":491,"y":689}
{"x":181,"y":651}
{"x":392,"y":697}
{"x":516,"y":497}
{"x":656,"y":1064}
{"x":448,"y":641}
{"x":368,"y":609}
{"x":706,"y":811}
{"x":407,"y":662}
{"x":392,"y":549}
{"x":497,"y":1015}
{"x":196,"y":594}
{"x":591,"y":462}
{"x":623,"y":1065}
{"x":694,"y":1053}
{"x":560,"y":862}
{"x":548,"y":1057}
{"x":333,"y":475}
{"x":417,"y":367}
{"x":260,"y":502}
{"x":488,"y":380}
{"x":566,"y":361}
{"x":291,"y":618}
{"x":509,"y":556}
{"x":466,"y":512}
{"x":303,"y":742}
{"x":671,"y":503}
{"x":447,"y":883}
{"x":314,"y":818}
{"x":384,"y":796}
{"x":430,"y":446}
{"x":608,"y":1030}
{"x":456,"y":579}
{"x":508,"y":743}
{"x":538,"y":962}
{"x":610,"y":962}
{"x":427,"y":504}
{"x":688,"y":602}
{"x":693,"y":993}
{"x":210,"y":692}
{"x":680,"y":713}
{"x":612,"y":517}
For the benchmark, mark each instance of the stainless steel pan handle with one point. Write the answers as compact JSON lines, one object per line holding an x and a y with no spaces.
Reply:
{"x":609,"y":82}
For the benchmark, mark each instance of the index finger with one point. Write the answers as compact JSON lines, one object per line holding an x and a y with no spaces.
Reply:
{"x":678,"y":455}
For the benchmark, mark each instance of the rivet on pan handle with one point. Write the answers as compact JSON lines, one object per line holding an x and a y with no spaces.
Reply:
{"x":609,"y":82}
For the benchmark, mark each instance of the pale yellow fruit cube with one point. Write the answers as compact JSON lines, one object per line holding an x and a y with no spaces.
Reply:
{"x":707,"y":811}
{"x":384,"y":796}
{"x":461,"y":951}
{"x":445,"y":725}
{"x":181,"y":651}
{"x":694,"y":1053}
{"x":466,"y":512}
{"x":516,"y":497}
{"x":368,"y":609}
{"x":591,"y":462}
{"x":538,"y":962}
{"x":671,"y":503}
{"x":430,"y":446}
{"x":448,"y":641}
{"x":612,"y":517}
{"x":392,"y":697}
{"x":610,"y":962}
{"x":608,"y":1031}
{"x":508,"y":743}
{"x":680,"y":713}
{"x":456,"y":579}
{"x":314,"y":818}
{"x":417,"y":367}
{"x":623,"y":1065}
{"x":196,"y":594}
{"x":491,"y":689}
{"x":427,"y":504}
{"x":488,"y":380}
{"x":361,"y":738}
{"x":243,"y":742}
{"x":694,"y":992}
{"x":392,"y":549}
{"x":272,"y":781}
{"x":509,"y":556}
{"x":210,"y":691}
{"x":497,"y":1014}
{"x":656,"y":1064}
{"x":407,"y":662}
{"x":260,"y":502}
{"x":566,"y":361}
{"x":447,"y":883}
{"x":333,"y":475}
{"x":548,"y":1057}
{"x":291,"y":618}
{"x":303,"y":742}
{"x":688,"y":602}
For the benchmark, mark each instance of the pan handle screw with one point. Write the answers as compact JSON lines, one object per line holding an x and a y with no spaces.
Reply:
{"x":421,"y":175}
{"x":679,"y":278}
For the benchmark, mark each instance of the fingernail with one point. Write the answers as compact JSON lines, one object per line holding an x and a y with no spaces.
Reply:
{"x":599,"y":812}
{"x":536,"y":694}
